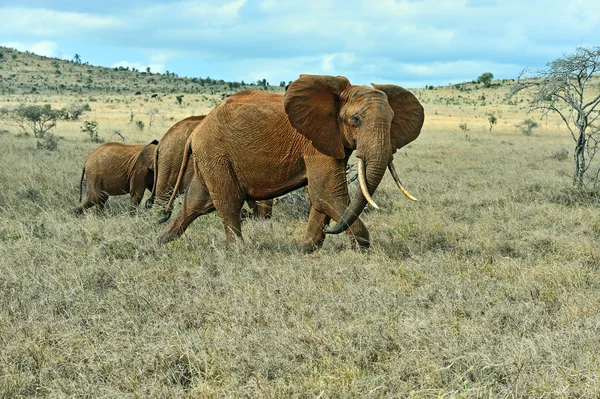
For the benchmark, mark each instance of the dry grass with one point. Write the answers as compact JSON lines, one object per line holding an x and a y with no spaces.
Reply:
{"x":489,"y":286}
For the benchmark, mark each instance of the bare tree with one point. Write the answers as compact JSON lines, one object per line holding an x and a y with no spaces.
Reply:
{"x":561,"y":89}
{"x":152,"y":113}
{"x":131,"y":112}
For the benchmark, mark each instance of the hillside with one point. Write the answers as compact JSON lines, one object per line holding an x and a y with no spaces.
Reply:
{"x":28,"y":73}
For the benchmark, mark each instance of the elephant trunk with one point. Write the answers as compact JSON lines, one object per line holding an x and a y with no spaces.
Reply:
{"x":374,"y":166}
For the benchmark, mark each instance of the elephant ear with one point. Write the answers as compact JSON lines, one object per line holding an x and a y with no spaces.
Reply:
{"x":312,"y":104}
{"x":145,"y":157}
{"x":408,"y":115}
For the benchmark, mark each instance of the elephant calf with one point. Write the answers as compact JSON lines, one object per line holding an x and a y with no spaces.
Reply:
{"x":116,"y":169}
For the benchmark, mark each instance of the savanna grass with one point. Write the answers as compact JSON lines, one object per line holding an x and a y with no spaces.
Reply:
{"x":488,"y":286}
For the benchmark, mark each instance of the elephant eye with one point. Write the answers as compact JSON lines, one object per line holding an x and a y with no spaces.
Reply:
{"x":356,"y":120}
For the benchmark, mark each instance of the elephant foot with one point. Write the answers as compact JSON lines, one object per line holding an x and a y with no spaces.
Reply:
{"x":166,"y":216}
{"x":166,"y":238}
{"x":361,"y":244}
{"x":310,"y":246}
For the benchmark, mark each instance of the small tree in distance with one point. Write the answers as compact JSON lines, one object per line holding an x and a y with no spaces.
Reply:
{"x":561,"y":89}
{"x":91,"y":129}
{"x":492,"y":120}
{"x":526,"y":127}
{"x":38,"y":119}
{"x":485,"y":78}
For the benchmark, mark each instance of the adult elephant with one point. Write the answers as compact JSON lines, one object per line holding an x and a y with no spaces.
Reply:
{"x":168,"y":157}
{"x":115,"y":169}
{"x":167,"y":160}
{"x":261,"y":145}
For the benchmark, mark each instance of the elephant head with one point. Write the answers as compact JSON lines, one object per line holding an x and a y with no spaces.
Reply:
{"x":142,"y":164}
{"x":339,"y":118}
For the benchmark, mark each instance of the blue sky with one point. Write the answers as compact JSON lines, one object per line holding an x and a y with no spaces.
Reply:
{"x":411,"y":43}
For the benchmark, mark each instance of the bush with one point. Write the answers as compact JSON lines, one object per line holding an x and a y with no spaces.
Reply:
{"x":74,"y":112}
{"x":49,"y":142}
{"x":91,"y":129}
{"x":140,"y":125}
{"x":492,"y":120}
{"x":38,"y":119}
{"x":179,"y":99}
{"x":485,"y":78}
{"x":463,"y":127}
{"x":561,"y":155}
{"x":526,"y":127}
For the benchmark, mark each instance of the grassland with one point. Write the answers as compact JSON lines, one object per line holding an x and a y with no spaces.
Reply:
{"x":489,"y":286}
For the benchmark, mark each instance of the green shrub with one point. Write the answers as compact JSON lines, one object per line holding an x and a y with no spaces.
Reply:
{"x":91,"y":129}
{"x":526,"y":127}
{"x":38,"y":119}
{"x":492,"y":120}
{"x":48,"y":142}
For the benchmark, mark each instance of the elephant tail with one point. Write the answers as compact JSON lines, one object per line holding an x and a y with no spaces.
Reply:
{"x":186,"y":157}
{"x":81,"y":184}
{"x":150,"y":201}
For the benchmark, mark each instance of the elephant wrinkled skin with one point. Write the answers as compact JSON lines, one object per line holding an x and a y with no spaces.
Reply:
{"x":168,"y":157}
{"x":116,"y":169}
{"x":261,"y":145}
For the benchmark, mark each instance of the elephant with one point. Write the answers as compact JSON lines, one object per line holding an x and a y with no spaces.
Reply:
{"x":115,"y":169}
{"x":167,"y":163}
{"x":260,"y":145}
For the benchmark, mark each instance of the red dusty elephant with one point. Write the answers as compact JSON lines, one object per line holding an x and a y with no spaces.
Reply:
{"x":116,"y":169}
{"x":260,"y":145}
{"x":167,"y":163}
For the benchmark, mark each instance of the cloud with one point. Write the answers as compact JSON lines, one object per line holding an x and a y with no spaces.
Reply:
{"x":397,"y":40}
{"x":50,"y":24}
{"x":45,"y":47}
{"x":334,"y":61}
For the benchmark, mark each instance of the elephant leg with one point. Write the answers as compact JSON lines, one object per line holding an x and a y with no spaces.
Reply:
{"x":357,"y":232}
{"x":328,"y":193}
{"x":315,"y":235}
{"x":228,"y":198}
{"x":100,"y":204}
{"x":264,"y":209}
{"x":135,"y":200}
{"x":359,"y":235}
{"x":92,"y":199}
{"x":229,"y":210}
{"x":163,"y":189}
{"x":253,"y":205}
{"x":196,"y":202}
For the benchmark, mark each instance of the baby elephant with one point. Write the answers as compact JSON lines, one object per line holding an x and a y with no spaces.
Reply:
{"x":115,"y":169}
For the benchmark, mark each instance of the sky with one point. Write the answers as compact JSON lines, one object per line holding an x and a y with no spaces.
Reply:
{"x":410,"y":43}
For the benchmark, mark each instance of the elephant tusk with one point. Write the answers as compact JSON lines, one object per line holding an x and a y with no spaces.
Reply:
{"x":363,"y":183}
{"x":399,"y":183}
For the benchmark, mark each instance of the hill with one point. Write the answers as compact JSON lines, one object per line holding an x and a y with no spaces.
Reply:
{"x":28,"y":73}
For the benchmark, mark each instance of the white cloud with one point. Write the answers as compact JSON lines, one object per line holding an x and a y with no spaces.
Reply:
{"x":50,"y":24}
{"x":388,"y":40}
{"x":334,"y":61}
{"x":45,"y":47}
